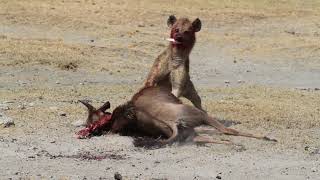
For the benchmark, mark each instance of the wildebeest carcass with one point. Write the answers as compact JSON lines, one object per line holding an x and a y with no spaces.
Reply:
{"x":155,"y":112}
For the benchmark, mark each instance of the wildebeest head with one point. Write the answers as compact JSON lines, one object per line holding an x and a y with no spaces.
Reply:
{"x":93,"y":113}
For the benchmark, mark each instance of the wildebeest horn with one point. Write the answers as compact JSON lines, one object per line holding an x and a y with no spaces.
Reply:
{"x":105,"y":106}
{"x":89,"y":106}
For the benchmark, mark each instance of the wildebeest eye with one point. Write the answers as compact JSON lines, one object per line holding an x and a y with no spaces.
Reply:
{"x":128,"y":115}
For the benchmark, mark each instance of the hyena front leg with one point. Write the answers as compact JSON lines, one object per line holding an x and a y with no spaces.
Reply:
{"x":191,"y":93}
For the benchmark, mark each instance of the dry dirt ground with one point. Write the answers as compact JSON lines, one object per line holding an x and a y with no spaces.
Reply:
{"x":255,"y":62}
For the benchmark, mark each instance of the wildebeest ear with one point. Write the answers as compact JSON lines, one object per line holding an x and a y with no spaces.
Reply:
{"x":171,"y":20}
{"x":196,"y":25}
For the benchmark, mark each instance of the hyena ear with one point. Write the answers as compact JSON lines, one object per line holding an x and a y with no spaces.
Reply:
{"x":171,"y":20}
{"x":196,"y":25}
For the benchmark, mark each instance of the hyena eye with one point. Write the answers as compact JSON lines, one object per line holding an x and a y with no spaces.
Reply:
{"x":176,"y":30}
{"x":186,"y":32}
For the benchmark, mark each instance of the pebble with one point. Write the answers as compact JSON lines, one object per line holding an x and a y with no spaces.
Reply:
{"x":4,"y":107}
{"x":21,"y":107}
{"x":5,"y":121}
{"x":63,"y":114}
{"x":141,"y":25}
{"x":218,"y":177}
{"x":31,"y":104}
{"x":227,"y":82}
{"x":117,"y":176}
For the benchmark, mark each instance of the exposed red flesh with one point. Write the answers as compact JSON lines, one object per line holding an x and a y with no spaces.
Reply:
{"x":96,"y":126}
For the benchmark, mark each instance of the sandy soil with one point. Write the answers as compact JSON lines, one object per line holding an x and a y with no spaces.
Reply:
{"x":255,"y":62}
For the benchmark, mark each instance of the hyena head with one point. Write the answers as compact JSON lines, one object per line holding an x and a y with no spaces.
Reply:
{"x":183,"y":31}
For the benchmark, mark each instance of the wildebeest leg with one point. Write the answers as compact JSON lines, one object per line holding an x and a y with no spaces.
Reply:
{"x":151,"y":143}
{"x":215,"y":123}
{"x":202,"y":139}
{"x":187,"y":131}
{"x":169,"y":129}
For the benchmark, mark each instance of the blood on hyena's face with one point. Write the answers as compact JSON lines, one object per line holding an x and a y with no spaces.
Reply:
{"x":183,"y":31}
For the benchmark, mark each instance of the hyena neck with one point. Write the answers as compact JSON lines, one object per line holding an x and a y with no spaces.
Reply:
{"x":179,"y":55}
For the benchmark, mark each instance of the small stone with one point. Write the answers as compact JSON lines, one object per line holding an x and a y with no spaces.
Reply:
{"x":290,"y":32}
{"x":62,"y":114}
{"x":91,"y":40}
{"x":218,"y":177}
{"x":8,"y":124}
{"x":6,"y":121}
{"x":314,"y":169}
{"x":31,"y":104}
{"x":57,"y":82}
{"x":81,"y":83}
{"x":316,"y":151}
{"x":117,"y":176}
{"x":227,"y":82}
{"x":141,"y":25}
{"x":240,"y":81}
{"x":21,"y":107}
{"x":4,"y":107}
